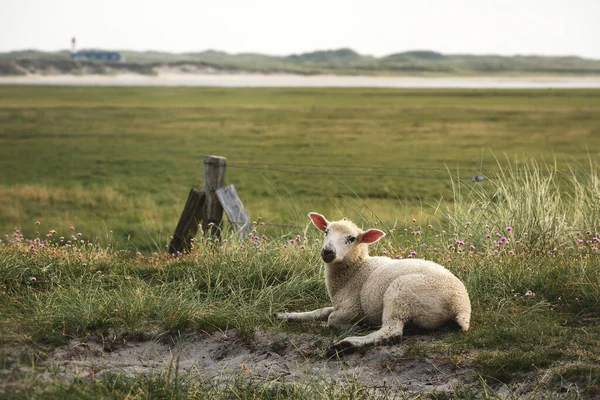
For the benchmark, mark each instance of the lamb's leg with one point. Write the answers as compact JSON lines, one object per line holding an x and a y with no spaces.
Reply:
{"x":391,"y":331}
{"x":463,"y":319}
{"x":317,"y":315}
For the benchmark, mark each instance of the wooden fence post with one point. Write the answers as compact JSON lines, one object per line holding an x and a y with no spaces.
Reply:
{"x":188,"y":223}
{"x":237,"y":215}
{"x":214,"y":178}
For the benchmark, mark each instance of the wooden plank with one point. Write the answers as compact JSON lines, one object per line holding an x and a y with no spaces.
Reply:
{"x":214,"y":178}
{"x":236,"y":214}
{"x":187,"y":227}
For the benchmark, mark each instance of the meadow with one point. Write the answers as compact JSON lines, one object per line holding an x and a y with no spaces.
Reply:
{"x":117,"y":163}
{"x":94,"y":179}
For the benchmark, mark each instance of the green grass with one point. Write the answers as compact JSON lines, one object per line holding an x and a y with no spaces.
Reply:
{"x":173,"y":384}
{"x":117,"y":163}
{"x":85,"y":291}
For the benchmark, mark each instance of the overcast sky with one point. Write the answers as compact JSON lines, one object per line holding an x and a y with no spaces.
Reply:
{"x":279,"y":27}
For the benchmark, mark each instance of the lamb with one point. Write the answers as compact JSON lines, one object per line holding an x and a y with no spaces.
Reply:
{"x":380,"y":291}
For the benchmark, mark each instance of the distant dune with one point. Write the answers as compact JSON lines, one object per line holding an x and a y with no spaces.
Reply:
{"x":328,"y":62}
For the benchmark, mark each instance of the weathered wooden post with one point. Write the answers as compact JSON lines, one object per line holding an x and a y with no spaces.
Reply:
{"x":214,"y":178}
{"x":206,"y":207}
{"x":237,"y":215}
{"x":188,"y":223}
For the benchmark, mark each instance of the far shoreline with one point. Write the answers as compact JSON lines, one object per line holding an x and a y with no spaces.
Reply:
{"x":315,"y":81}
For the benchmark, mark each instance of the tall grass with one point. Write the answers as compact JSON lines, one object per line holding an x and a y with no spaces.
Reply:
{"x":547,"y":209}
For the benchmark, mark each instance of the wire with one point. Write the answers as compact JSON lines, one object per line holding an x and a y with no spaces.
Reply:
{"x":267,"y":224}
{"x":447,"y":171}
{"x":339,"y":174}
{"x":346,"y":166}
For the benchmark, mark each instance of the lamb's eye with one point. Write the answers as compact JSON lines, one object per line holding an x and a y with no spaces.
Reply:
{"x":350,"y":239}
{"x":327,"y":232}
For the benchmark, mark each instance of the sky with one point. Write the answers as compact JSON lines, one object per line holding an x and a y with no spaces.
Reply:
{"x":280,"y":27}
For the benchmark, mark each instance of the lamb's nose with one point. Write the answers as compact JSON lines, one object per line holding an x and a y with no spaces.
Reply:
{"x":328,"y":255}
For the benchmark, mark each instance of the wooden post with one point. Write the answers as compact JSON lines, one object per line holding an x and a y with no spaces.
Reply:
{"x":237,"y":215}
{"x":188,"y":223}
{"x":214,"y":178}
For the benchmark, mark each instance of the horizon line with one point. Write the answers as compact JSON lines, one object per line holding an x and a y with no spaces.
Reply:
{"x":307,"y":52}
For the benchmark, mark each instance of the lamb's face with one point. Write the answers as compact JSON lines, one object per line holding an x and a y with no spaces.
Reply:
{"x":342,"y":237}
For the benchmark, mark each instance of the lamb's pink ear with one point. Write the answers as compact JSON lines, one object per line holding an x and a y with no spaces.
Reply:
{"x":320,"y":221}
{"x":371,"y":236}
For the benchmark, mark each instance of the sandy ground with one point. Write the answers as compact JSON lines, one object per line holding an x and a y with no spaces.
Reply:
{"x":170,"y":78}
{"x":271,"y":357}
{"x":274,"y":357}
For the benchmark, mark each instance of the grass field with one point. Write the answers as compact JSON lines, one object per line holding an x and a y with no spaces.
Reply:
{"x":115,"y":164}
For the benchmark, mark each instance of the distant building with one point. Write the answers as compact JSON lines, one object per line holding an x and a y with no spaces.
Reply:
{"x":91,"y":55}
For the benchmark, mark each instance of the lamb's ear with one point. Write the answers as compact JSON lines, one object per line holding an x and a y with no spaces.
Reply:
{"x":320,"y":221}
{"x":371,"y":236}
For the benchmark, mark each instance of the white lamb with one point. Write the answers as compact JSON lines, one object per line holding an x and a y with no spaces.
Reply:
{"x":380,"y":291}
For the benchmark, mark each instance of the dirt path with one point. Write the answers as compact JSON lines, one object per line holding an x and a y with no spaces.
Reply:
{"x":270,"y":357}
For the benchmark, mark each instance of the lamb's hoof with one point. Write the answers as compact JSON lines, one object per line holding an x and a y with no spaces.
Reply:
{"x":340,"y":349}
{"x":278,"y":315}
